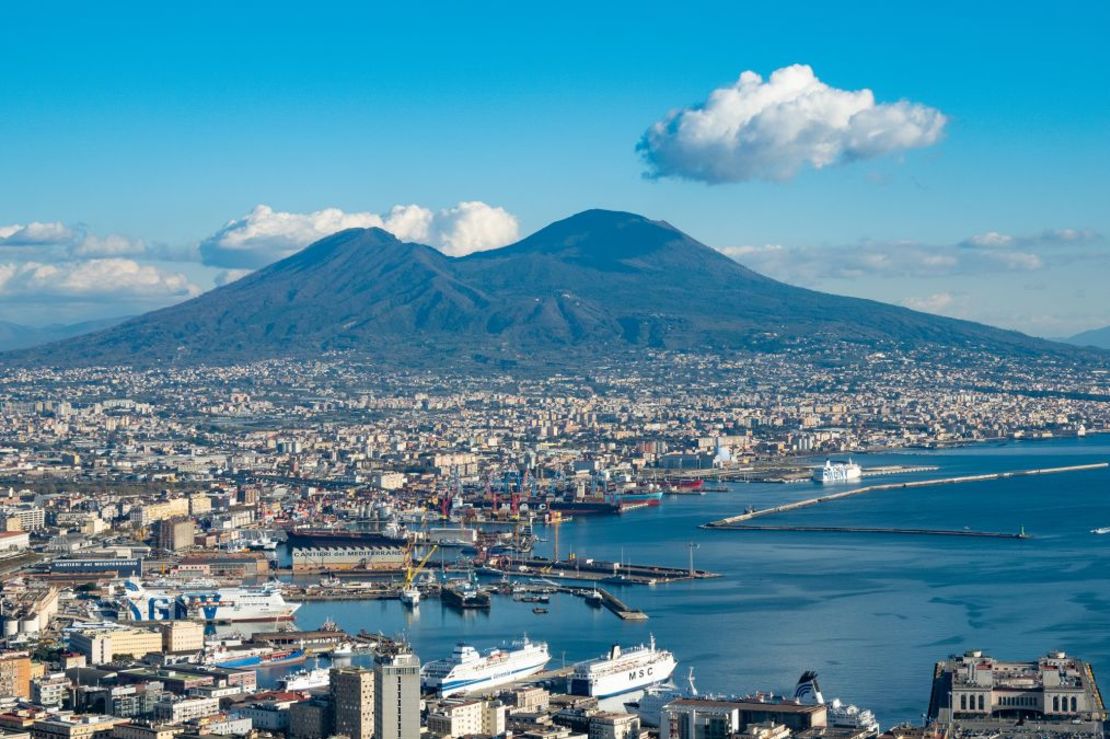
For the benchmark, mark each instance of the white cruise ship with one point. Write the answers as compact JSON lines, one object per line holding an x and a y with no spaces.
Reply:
{"x":839,"y":714}
{"x":622,"y":671}
{"x":839,"y":471}
{"x":466,"y":670}
{"x":264,"y":603}
{"x":650,"y":705}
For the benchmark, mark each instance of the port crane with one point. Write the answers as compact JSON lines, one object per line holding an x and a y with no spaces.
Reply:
{"x":412,"y":572}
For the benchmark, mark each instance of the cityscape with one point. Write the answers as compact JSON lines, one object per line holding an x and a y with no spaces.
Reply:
{"x":362,"y":464}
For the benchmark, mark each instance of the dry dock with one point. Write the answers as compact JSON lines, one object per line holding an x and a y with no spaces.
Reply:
{"x":785,"y":507}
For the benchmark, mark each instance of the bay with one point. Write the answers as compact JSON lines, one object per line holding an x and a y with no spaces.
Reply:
{"x":871,"y":613}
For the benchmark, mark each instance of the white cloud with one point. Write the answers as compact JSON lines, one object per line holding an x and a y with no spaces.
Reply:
{"x":990,"y":240}
{"x":227,"y":276}
{"x":34,"y":234}
{"x":112,"y":245}
{"x":770,"y":130}
{"x":935,"y":303}
{"x":473,"y":226}
{"x":992,"y":252}
{"x":95,"y":278}
{"x":266,"y":235}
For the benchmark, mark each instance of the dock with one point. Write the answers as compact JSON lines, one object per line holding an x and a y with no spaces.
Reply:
{"x":617,"y":606}
{"x":731,"y":521}
{"x":879,"y":530}
{"x":592,"y":570}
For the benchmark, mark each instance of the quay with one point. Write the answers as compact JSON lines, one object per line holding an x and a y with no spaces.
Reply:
{"x":596,"y":569}
{"x":617,"y":606}
{"x":783,"y":508}
{"x":879,"y":530}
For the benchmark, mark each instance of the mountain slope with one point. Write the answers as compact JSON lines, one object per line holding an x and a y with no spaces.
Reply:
{"x":18,"y":336}
{"x":1096,"y":337}
{"x":597,"y":282}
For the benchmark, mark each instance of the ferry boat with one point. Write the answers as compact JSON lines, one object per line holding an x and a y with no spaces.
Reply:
{"x":263,"y":603}
{"x":837,"y":472}
{"x":622,"y":671}
{"x":839,"y":714}
{"x":650,"y":705}
{"x":314,"y":679}
{"x":466,"y":670}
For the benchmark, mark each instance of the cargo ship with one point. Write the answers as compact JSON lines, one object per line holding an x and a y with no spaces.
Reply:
{"x":262,"y":603}
{"x":622,"y":671}
{"x":466,"y":670}
{"x":609,"y":503}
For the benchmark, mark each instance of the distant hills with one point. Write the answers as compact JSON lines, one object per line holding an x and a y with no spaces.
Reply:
{"x":18,"y":336}
{"x":591,"y":285}
{"x":1096,"y":337}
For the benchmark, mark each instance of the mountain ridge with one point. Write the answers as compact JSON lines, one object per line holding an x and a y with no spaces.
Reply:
{"x":597,"y":281}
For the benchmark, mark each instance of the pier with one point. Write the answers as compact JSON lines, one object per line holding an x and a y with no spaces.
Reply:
{"x":879,"y":530}
{"x":600,"y":570}
{"x":731,"y":521}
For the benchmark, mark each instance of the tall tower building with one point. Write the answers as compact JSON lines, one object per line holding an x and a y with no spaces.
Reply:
{"x":397,"y":697}
{"x":352,"y":693}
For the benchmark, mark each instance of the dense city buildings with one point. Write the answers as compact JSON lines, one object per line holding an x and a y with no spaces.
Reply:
{"x":161,"y":531}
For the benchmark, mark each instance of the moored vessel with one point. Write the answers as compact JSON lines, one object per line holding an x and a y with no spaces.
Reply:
{"x":837,"y":471}
{"x":622,"y":671}
{"x":467,"y":670}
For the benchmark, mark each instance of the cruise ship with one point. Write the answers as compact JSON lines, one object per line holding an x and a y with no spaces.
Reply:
{"x":622,"y":671}
{"x":650,"y":705}
{"x":466,"y":670}
{"x":839,"y":714}
{"x":839,"y":471}
{"x":264,"y":603}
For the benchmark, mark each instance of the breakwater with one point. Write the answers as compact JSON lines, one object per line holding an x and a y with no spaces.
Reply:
{"x":879,"y":530}
{"x":785,"y":507}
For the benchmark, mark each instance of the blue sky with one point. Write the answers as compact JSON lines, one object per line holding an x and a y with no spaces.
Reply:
{"x":138,"y":131}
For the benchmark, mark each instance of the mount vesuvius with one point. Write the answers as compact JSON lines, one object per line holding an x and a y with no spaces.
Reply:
{"x":597,"y":282}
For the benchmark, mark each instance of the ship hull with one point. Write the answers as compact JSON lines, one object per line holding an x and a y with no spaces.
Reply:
{"x":618,"y":682}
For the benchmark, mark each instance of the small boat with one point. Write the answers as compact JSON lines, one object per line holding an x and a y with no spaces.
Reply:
{"x":346,"y":649}
{"x":594,"y":598}
{"x":1101,"y":531}
{"x":410,"y":597}
{"x":535,"y":599}
{"x":539,"y":611}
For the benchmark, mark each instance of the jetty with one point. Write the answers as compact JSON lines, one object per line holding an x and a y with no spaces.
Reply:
{"x":731,"y":521}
